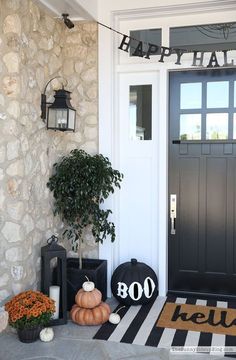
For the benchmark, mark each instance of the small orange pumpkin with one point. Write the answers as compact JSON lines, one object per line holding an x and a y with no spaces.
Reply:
{"x":96,"y":316}
{"x":88,"y":299}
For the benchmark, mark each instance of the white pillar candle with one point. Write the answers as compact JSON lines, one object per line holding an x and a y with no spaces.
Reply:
{"x":54,"y":293}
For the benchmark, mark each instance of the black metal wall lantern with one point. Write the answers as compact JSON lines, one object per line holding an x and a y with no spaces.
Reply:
{"x":53,"y":280}
{"x":59,"y":115}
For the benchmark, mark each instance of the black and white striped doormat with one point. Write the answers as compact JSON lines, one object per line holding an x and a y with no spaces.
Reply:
{"x":138,"y":326}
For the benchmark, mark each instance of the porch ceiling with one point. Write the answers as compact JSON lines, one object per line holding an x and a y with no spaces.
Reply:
{"x":78,"y":10}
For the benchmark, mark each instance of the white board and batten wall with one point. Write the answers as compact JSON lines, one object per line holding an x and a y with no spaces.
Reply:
{"x":140,"y":207}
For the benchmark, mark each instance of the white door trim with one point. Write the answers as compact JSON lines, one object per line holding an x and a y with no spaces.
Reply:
{"x":109,"y":69}
{"x":177,"y":9}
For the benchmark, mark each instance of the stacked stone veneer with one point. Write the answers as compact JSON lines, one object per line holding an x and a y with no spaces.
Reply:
{"x":34,"y":48}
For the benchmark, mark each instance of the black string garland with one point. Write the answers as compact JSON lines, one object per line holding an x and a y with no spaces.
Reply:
{"x":198,"y":55}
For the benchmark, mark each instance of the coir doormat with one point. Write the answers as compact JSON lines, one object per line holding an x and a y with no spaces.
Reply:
{"x":140,"y":325}
{"x":208,"y":319}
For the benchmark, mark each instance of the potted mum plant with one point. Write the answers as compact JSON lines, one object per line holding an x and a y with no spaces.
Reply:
{"x":29,"y":312}
{"x":80,"y":184}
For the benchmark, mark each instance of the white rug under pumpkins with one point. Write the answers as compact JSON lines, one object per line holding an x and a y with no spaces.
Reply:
{"x":138,"y":326}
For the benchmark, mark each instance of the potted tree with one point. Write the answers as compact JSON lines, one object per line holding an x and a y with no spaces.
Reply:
{"x":80,"y":183}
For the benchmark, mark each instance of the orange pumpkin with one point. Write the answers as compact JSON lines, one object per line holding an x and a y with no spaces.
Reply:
{"x":88,"y":299}
{"x":96,"y":316}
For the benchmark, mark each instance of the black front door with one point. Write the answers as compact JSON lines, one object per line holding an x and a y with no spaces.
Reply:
{"x":202,"y":182}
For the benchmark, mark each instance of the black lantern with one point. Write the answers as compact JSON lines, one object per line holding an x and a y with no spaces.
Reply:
{"x":54,"y":279}
{"x":60,"y":115}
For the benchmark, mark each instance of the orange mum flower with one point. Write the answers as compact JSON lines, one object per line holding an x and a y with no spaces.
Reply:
{"x":29,"y":307}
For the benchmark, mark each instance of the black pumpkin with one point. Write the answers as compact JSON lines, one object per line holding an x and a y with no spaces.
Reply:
{"x":134,"y":283}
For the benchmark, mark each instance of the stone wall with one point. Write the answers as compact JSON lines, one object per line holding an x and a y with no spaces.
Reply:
{"x":35,"y":48}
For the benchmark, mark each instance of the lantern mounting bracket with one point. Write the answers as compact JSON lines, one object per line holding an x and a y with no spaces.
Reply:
{"x":44,"y":101}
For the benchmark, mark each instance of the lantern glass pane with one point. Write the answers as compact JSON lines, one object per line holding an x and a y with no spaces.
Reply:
{"x":61,"y":115}
{"x":71,"y":124}
{"x":52,"y":120}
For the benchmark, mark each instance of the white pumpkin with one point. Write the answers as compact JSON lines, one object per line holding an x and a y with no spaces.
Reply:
{"x":114,"y":318}
{"x":3,"y":319}
{"x":88,"y":285}
{"x":46,"y":334}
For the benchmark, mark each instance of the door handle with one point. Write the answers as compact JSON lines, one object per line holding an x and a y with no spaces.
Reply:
{"x":173,"y":201}
{"x":172,"y":227}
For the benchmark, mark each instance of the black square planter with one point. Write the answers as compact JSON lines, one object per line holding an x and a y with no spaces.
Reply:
{"x":94,"y":269}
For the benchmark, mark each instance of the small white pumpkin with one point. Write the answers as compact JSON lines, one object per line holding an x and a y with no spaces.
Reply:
{"x":88,"y":285}
{"x":46,"y":334}
{"x":114,"y":318}
{"x":3,"y":319}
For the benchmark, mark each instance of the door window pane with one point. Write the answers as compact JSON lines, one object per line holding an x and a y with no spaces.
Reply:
{"x":217,"y":94}
{"x":190,"y":126}
{"x":140,"y":112}
{"x":217,"y":126}
{"x":235,"y":94}
{"x":191,"y":96}
{"x":234,"y":126}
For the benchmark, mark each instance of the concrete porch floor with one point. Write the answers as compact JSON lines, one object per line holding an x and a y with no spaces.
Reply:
{"x":73,"y":342}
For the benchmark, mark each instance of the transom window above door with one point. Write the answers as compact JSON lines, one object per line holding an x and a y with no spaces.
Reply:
{"x":207,"y":106}
{"x":146,"y":36}
{"x":209,"y":37}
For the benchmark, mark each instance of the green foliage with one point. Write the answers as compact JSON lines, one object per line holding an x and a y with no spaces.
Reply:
{"x":80,"y":183}
{"x":32,"y":322}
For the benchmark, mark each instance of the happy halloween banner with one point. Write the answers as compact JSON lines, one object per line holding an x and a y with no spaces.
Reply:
{"x":164,"y":52}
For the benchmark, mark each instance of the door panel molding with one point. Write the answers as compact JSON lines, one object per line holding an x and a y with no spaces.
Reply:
{"x":202,"y":174}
